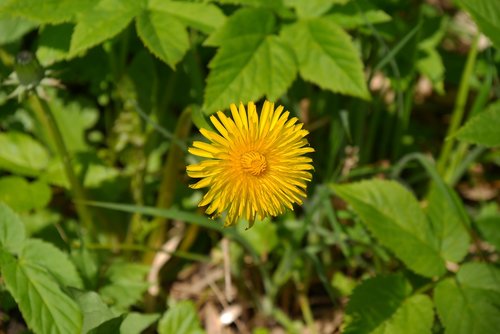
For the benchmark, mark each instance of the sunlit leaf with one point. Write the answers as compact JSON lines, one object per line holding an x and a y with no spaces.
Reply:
{"x":470,"y":303}
{"x":181,"y":318}
{"x":483,"y":129}
{"x":22,"y":154}
{"x":395,"y":218}
{"x":28,"y":196}
{"x":12,"y":232}
{"x":45,"y":11}
{"x":327,"y":56}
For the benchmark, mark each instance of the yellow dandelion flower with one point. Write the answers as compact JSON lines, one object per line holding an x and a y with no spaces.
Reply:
{"x":255,"y":166}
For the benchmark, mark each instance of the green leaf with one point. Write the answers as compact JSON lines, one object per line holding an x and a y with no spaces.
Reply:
{"x":181,"y":318}
{"x":486,"y":13}
{"x":21,"y":195}
{"x":448,"y":224}
{"x":45,"y":308}
{"x":254,"y":3}
{"x":136,"y":323}
{"x":202,"y":16}
{"x":483,"y":128}
{"x":102,"y":22}
{"x":489,"y":227}
{"x":13,"y":28}
{"x":357,"y":13}
{"x":384,"y":304}
{"x":12,"y":232}
{"x":471,"y":302}
{"x":95,"y":311}
{"x":21,"y":154}
{"x":47,"y":11}
{"x":164,"y":35}
{"x":109,"y":326}
{"x":263,"y":236}
{"x":327,"y":56}
{"x":248,"y":51}
{"x":127,"y":284}
{"x":395,"y":218}
{"x":55,"y":262}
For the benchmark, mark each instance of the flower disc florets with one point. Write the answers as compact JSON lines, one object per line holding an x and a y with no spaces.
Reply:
{"x":255,"y":166}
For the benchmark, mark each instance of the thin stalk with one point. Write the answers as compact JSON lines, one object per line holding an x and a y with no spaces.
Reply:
{"x":44,"y":114}
{"x":458,"y":112}
{"x":170,"y":175}
{"x":305,"y":307}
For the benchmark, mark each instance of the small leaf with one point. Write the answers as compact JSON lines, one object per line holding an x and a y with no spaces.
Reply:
{"x":180,"y":319}
{"x":95,"y":311}
{"x":164,"y":35}
{"x":357,"y":13}
{"x":384,"y":305}
{"x":22,"y":154}
{"x":45,"y":308}
{"x":489,"y":227}
{"x":136,"y":323}
{"x":470,"y":303}
{"x":127,"y":284}
{"x":12,"y":232}
{"x":486,"y":13}
{"x":28,"y":196}
{"x":202,"y":16}
{"x":103,"y":21}
{"x":483,"y":129}
{"x":394,"y":217}
{"x":46,"y":11}
{"x":327,"y":56}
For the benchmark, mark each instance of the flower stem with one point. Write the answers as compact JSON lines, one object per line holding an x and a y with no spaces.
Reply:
{"x":458,"y":112}
{"x":43,"y":112}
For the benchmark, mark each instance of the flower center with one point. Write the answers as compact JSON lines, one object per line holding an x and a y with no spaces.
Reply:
{"x":254,"y":163}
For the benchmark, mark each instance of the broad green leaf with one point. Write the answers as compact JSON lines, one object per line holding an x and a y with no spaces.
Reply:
{"x":470,"y":304}
{"x":13,"y":28}
{"x":95,"y":311}
{"x":486,"y":13}
{"x":12,"y":232}
{"x":310,"y":8}
{"x":483,"y":129}
{"x":248,"y":50}
{"x":327,"y":56}
{"x":45,"y":308}
{"x":181,"y":318}
{"x":384,"y":304}
{"x":54,"y":43}
{"x":127,"y":284}
{"x":489,"y":227}
{"x":395,"y":218}
{"x":22,"y":154}
{"x":102,"y":22}
{"x":164,"y":35}
{"x":202,"y":16}
{"x":357,"y":13}
{"x":47,"y":11}
{"x":448,"y":225}
{"x":86,"y":264}
{"x":21,"y":195}
{"x":254,"y":3}
{"x":267,"y":60}
{"x":136,"y":323}
{"x":109,"y":326}
{"x":55,"y":262}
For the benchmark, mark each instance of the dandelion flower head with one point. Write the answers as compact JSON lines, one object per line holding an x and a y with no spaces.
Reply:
{"x":255,"y":166}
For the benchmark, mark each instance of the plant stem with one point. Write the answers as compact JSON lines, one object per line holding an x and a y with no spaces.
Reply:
{"x":170,"y":175}
{"x":306,"y":308}
{"x":458,"y":112}
{"x":43,"y":112}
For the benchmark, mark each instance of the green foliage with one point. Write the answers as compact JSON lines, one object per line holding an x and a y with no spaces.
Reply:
{"x":395,"y":218}
{"x":180,"y":318}
{"x":483,"y":128}
{"x":385,"y":305}
{"x":487,"y":16}
{"x":93,"y":160}
{"x":469,"y":302}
